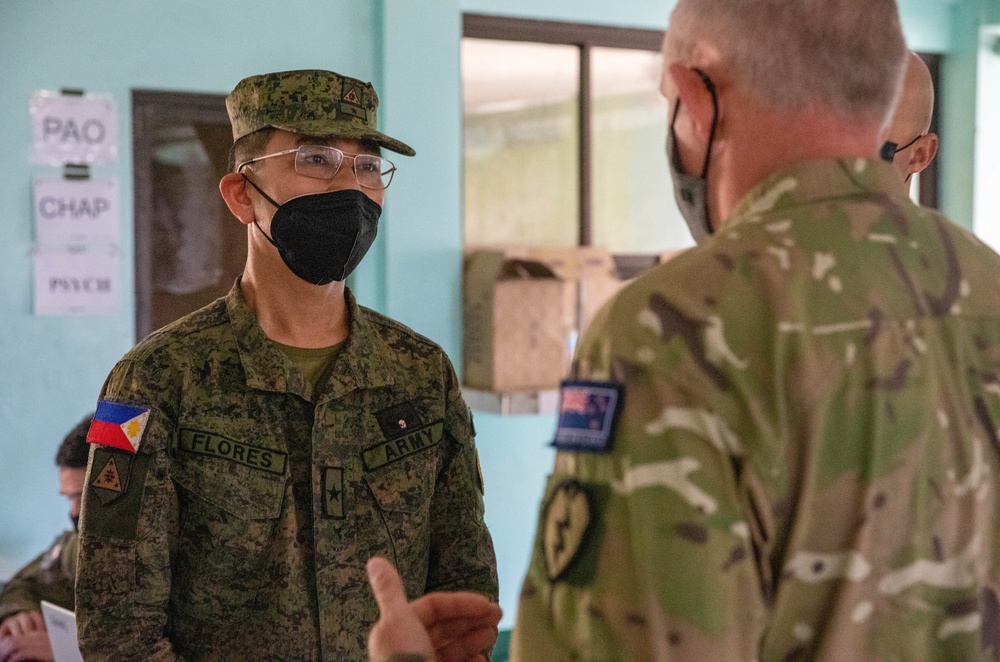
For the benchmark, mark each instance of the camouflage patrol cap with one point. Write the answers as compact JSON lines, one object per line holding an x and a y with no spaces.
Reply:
{"x":311,"y":102}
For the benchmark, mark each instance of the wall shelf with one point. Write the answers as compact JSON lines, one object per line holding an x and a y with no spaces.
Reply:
{"x":510,"y":403}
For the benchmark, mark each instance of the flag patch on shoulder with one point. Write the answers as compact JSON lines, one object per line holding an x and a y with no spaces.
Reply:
{"x":118,"y":426}
{"x":587,"y":414}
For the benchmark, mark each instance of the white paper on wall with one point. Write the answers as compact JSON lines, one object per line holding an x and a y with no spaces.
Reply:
{"x":73,"y":129}
{"x":77,"y":280}
{"x":68,"y":210}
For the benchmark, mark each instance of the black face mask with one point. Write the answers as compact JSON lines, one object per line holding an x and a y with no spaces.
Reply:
{"x":323,"y":237}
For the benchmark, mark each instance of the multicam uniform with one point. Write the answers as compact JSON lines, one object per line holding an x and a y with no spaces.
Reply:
{"x":48,"y":577}
{"x":806,"y":455}
{"x":241,"y":527}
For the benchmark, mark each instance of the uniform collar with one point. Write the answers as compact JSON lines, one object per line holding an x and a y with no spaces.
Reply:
{"x":815,"y":181}
{"x":363,"y":361}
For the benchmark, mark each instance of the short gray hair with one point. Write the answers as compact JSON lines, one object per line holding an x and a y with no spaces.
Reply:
{"x":844,"y":55}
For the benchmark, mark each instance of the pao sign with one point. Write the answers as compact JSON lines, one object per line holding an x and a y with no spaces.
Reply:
{"x":73,"y":129}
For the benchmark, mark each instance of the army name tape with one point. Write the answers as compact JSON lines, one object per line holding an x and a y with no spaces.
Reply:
{"x":213,"y":445}
{"x":393,"y":450}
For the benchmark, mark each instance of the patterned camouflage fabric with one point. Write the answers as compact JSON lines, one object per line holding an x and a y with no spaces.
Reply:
{"x":48,"y":577}
{"x":311,"y":102}
{"x":805,"y":462}
{"x":252,"y":505}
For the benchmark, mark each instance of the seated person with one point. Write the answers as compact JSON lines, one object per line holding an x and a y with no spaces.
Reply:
{"x":51,"y":575}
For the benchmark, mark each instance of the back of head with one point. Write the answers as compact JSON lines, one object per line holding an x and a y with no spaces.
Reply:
{"x":74,"y":451}
{"x":845,"y":56}
{"x":916,"y":104}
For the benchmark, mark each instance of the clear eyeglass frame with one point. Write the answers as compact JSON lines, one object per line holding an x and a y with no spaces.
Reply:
{"x":323,"y":162}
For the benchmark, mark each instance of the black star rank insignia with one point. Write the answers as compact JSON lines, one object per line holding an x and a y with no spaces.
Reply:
{"x":333,"y":492}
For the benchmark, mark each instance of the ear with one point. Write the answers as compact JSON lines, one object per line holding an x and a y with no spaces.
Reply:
{"x":695,"y":97}
{"x":233,"y":188}
{"x":924,"y":152}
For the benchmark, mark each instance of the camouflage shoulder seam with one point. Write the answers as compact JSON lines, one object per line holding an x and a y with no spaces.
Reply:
{"x":212,"y":315}
{"x":374,"y":317}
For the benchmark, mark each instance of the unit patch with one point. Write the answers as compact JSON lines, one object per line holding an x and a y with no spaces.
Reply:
{"x":393,"y":450}
{"x":333,"y":492}
{"x":350,"y":102}
{"x":117,"y":479}
{"x":109,"y":474}
{"x":213,"y":445}
{"x":108,"y":478}
{"x":118,"y":425}
{"x":587,"y":415}
{"x":567,"y":519}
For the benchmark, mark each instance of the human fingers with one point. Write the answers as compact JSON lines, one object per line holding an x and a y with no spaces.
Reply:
{"x":441,"y":606}
{"x":33,"y":646}
{"x":36,"y":622}
{"x":444,"y":633}
{"x":386,"y":584}
{"x":471,"y":647}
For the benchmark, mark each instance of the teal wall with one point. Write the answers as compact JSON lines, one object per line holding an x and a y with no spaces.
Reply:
{"x":52,"y":368}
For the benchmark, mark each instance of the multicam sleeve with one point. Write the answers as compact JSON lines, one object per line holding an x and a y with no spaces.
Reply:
{"x":648,"y":549}
{"x":461,"y":554}
{"x":128,"y":531}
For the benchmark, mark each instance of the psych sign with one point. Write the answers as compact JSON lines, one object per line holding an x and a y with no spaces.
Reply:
{"x":77,"y":281}
{"x":73,"y":129}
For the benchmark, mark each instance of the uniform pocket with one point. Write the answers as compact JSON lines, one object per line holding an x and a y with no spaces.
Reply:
{"x":401,"y":472}
{"x":228,"y":526}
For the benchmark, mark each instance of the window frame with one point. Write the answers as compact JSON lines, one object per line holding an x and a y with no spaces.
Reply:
{"x":584,"y":37}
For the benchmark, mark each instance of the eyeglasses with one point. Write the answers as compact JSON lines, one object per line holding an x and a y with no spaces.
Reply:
{"x":323,"y":162}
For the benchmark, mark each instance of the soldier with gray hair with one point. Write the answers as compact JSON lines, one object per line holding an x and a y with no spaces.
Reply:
{"x":249,"y":458}
{"x":783,"y":443}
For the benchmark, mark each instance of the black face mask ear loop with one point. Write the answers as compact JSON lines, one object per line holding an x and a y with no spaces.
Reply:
{"x":266,"y":197}
{"x":715,"y":119}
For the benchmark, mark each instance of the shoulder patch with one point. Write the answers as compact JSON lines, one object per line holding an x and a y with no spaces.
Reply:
{"x":587,"y":415}
{"x":118,"y":425}
{"x":568,"y":517}
{"x":109,"y":474}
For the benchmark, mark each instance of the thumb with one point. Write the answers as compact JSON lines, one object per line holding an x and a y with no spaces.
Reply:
{"x":386,"y":584}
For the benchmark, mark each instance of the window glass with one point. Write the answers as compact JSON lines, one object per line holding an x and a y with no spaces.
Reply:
{"x":520,"y":142}
{"x":633,"y":201}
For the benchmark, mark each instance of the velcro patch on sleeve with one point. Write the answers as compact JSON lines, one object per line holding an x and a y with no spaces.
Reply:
{"x":118,"y":425}
{"x":588,"y":412}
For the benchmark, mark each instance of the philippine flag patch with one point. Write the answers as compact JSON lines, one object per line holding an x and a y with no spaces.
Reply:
{"x":118,"y":426}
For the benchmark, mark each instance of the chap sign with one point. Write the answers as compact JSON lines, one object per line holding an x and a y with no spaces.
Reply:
{"x":73,"y":129}
{"x":81,"y":281}
{"x":76,"y":210}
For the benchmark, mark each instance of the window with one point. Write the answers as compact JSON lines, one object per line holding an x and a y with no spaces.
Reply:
{"x":564,"y":137}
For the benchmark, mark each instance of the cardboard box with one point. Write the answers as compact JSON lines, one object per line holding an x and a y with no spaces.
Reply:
{"x":524,"y":307}
{"x":518,"y":318}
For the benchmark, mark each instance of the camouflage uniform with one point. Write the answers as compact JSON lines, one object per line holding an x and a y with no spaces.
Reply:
{"x":805,"y":460}
{"x":245,"y":519}
{"x":49,"y":577}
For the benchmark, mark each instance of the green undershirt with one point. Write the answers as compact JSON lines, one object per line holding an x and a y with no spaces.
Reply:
{"x":313,"y":362}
